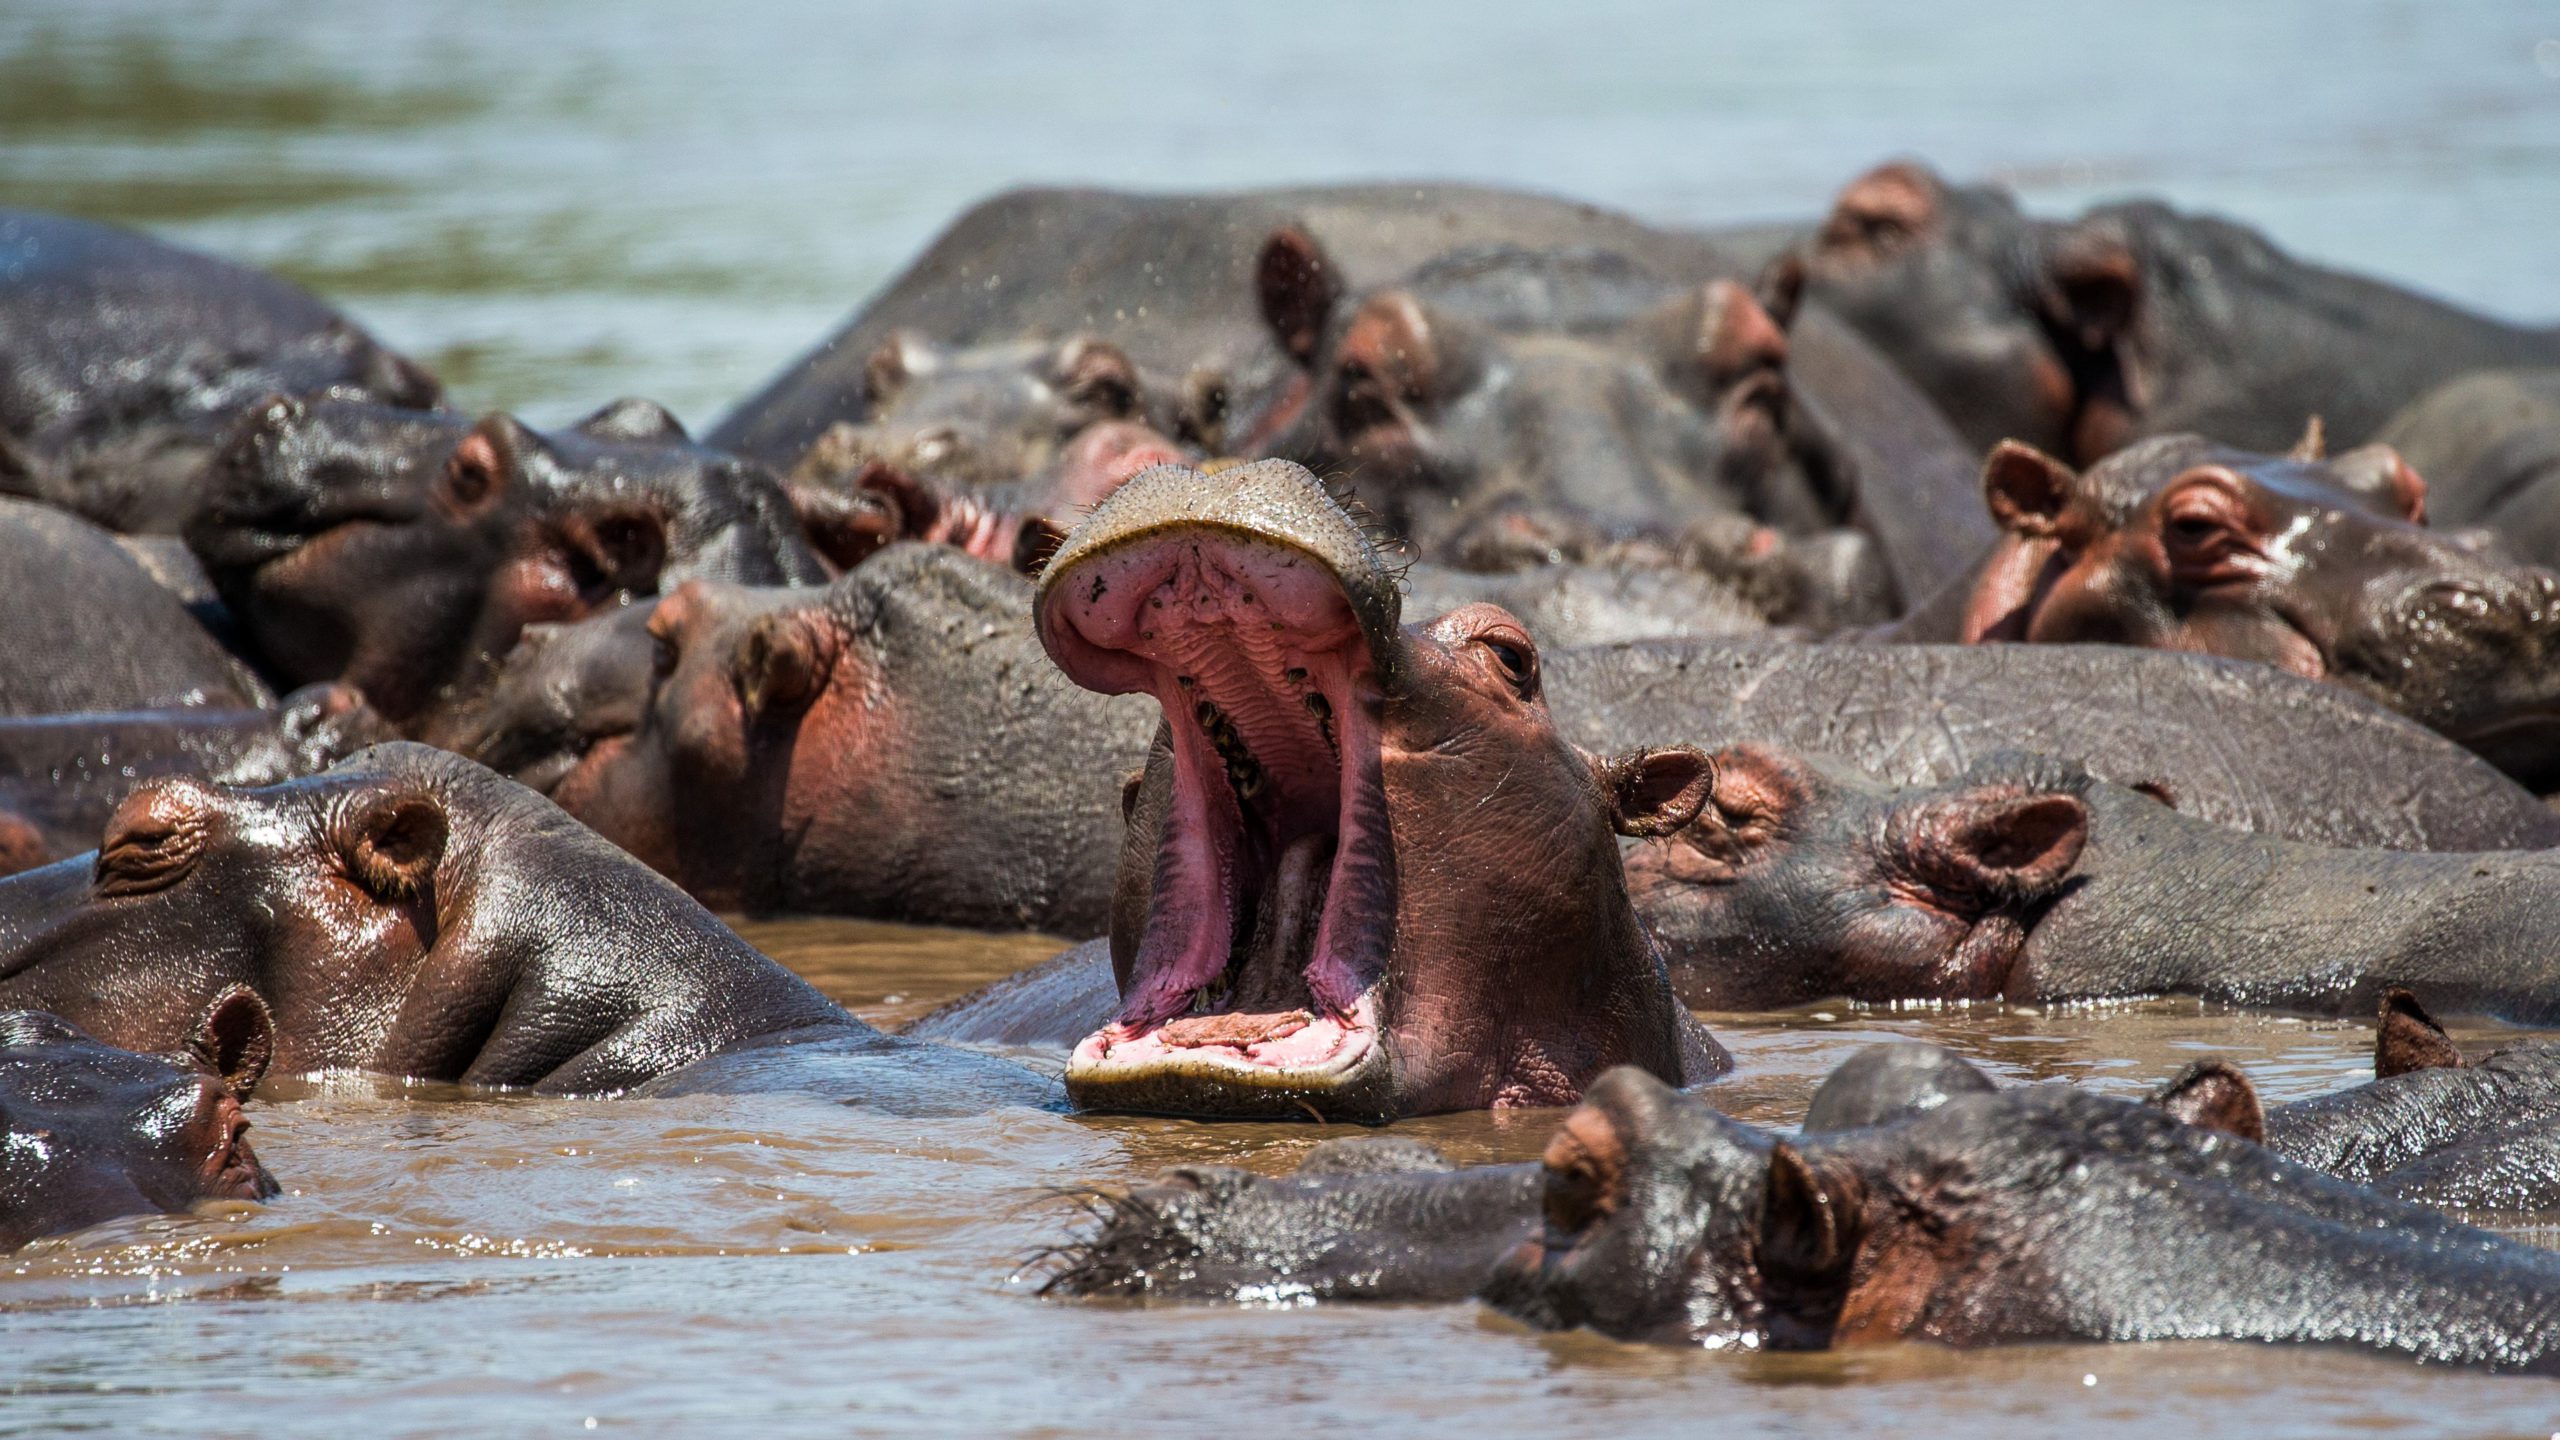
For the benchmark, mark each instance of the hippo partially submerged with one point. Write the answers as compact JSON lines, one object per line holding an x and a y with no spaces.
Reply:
{"x":89,"y":1132}
{"x":1364,"y":876}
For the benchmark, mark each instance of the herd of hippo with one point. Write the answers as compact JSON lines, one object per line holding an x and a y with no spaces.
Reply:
{"x":1432,"y":641}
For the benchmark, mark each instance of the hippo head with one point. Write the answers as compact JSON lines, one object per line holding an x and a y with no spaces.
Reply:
{"x":1797,"y":881}
{"x":2017,"y":327}
{"x":1365,"y":876}
{"x":1575,"y":389}
{"x":994,"y":448}
{"x":89,"y":1132}
{"x":396,"y":549}
{"x":2320,"y":567}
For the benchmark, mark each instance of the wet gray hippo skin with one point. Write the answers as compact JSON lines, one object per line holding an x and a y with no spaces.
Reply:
{"x":2040,"y":1213}
{"x":403,"y":551}
{"x":894,"y":746}
{"x":1304,"y":923}
{"x":1175,"y":283}
{"x":89,"y":629}
{"x":410,"y":913}
{"x":62,"y":775}
{"x":2026,"y":880}
{"x":89,"y":1132}
{"x":2317,"y":565}
{"x":127,"y":358}
{"x":2079,"y":336}
{"x":2489,"y":445}
{"x":2232,"y":743}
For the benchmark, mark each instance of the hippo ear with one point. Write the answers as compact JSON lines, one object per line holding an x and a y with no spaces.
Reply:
{"x":2379,"y":474}
{"x":235,"y":1039}
{"x":1654,"y":792}
{"x":892,"y":365}
{"x":1095,"y":375}
{"x":2092,"y":286}
{"x":631,"y":418}
{"x":393,"y":844}
{"x":1989,"y":848}
{"x":845,"y":527}
{"x":486,"y":464}
{"x":2407,"y":1038}
{"x":1812,"y":1219}
{"x":1883,"y":209}
{"x":1736,"y":339}
{"x":1298,"y":287}
{"x":2027,"y":490}
{"x":1391,"y":356}
{"x":1781,"y":289}
{"x":781,"y":664}
{"x":2214,"y":1095}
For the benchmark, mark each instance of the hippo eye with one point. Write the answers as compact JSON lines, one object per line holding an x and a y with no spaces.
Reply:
{"x":1518,"y":661}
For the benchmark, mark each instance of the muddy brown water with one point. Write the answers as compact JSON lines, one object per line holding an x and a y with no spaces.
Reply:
{"x":443,"y":1261}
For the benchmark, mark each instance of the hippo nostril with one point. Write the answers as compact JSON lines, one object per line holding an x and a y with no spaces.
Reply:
{"x":153,"y":838}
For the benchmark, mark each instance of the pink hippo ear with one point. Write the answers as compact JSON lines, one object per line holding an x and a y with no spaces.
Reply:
{"x":2407,"y":1038}
{"x":1993,"y":847}
{"x":2092,"y":286}
{"x":1812,"y":1219}
{"x":1655,"y":792}
{"x":485,"y":464}
{"x":1736,"y":339}
{"x":781,"y":665}
{"x":235,"y":1039}
{"x":393,"y":844}
{"x":2214,"y":1095}
{"x":1298,"y":287}
{"x":2378,"y":473}
{"x":1884,"y":209}
{"x":2027,"y":490}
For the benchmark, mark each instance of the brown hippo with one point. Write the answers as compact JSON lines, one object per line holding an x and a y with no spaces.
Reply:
{"x":1364,"y":876}
{"x":410,"y":913}
{"x":89,"y":1132}
{"x":2321,"y":567}
{"x":894,"y":746}
{"x":2026,"y":880}
{"x":403,"y":551}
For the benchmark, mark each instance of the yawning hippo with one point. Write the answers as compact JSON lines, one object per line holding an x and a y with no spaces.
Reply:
{"x":1364,"y":876}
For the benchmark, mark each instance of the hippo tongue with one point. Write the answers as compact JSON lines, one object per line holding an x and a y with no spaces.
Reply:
{"x":1266,"y":994}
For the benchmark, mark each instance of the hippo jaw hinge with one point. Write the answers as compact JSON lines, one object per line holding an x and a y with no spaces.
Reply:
{"x":1255,"y":985}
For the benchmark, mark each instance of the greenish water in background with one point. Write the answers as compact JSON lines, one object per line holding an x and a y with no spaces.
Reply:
{"x":556,"y":203}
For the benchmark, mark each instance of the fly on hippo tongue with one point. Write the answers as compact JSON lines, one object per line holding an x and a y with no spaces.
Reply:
{"x":1364,"y":876}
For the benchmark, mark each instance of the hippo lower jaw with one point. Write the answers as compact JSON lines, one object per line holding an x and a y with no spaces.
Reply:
{"x":1255,"y":989}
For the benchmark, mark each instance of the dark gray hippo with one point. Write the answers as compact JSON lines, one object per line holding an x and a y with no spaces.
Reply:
{"x":2489,"y":445}
{"x":123,"y":360}
{"x":90,"y":629}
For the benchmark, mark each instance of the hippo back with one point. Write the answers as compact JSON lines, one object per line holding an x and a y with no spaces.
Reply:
{"x":88,"y":628}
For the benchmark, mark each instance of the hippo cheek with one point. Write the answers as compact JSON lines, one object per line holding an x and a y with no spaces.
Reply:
{"x":1255,"y":986}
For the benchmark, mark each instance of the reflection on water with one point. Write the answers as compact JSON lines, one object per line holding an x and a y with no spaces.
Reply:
{"x":444,"y":1260}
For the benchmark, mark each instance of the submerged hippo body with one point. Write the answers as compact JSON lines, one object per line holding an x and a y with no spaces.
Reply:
{"x":90,"y":629}
{"x":64,"y":774}
{"x":2079,"y":336}
{"x":2320,"y":566}
{"x":410,"y":913}
{"x":2233,"y":743}
{"x":1182,"y":285}
{"x":89,"y":1132}
{"x":1364,"y":877}
{"x":2489,"y":445}
{"x":127,"y":359}
{"x":893,"y":746}
{"x":2026,"y":880}
{"x":403,"y":551}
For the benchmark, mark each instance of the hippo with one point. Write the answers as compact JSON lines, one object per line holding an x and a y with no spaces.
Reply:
{"x":2078,"y":337}
{"x":2489,"y":445}
{"x":1574,"y":383}
{"x":127,"y":359}
{"x":92,"y":630}
{"x":2039,"y":1213}
{"x":1883,"y":1084}
{"x":1363,"y":877}
{"x":89,"y":1132}
{"x":2318,"y":566}
{"x":1178,"y":284}
{"x":409,"y":913}
{"x":2238,"y":744}
{"x":62,"y":775}
{"x":2026,"y":880}
{"x":893,"y":746}
{"x":402,"y":551}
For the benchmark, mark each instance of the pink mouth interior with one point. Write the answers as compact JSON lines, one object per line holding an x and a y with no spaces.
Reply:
{"x":1269,"y":922}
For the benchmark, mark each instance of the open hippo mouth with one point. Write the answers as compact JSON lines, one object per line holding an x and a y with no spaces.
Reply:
{"x":1255,"y":986}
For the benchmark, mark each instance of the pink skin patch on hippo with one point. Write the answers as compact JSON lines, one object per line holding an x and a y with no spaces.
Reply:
{"x":1265,"y":937}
